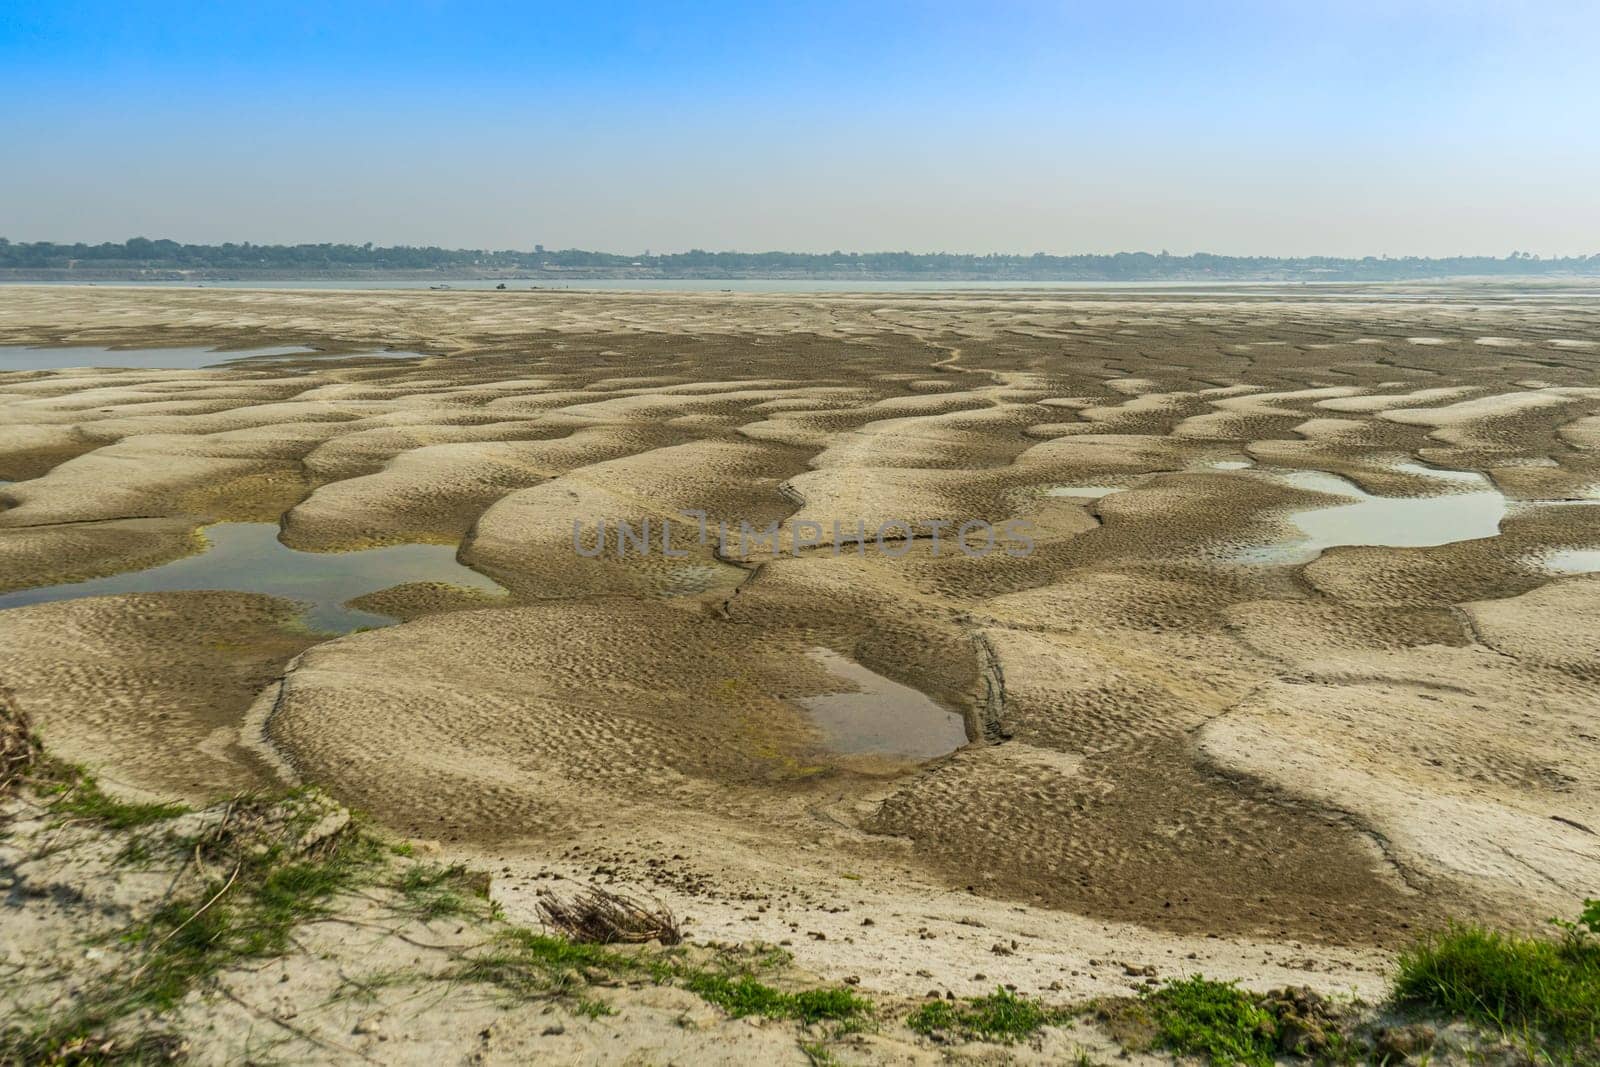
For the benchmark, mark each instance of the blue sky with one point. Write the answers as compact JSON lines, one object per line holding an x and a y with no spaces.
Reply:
{"x":1344,"y":128}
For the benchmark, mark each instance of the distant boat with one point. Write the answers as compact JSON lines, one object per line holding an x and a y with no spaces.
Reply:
{"x":438,"y":287}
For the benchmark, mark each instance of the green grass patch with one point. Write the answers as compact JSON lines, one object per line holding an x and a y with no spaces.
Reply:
{"x":266,"y":866}
{"x":253,"y":917}
{"x":249,"y":912}
{"x":1514,"y":983}
{"x":1218,"y":1020}
{"x":433,"y":891}
{"x":592,"y":1009}
{"x":529,"y":964}
{"x":741,"y":995}
{"x":532,"y":964}
{"x":77,"y":796}
{"x":1000,"y":1016}
{"x":817,"y":1053}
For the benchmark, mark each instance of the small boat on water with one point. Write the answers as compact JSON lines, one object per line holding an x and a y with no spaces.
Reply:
{"x":438,"y":287}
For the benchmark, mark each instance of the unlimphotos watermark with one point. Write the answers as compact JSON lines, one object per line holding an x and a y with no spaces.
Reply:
{"x":894,"y":538}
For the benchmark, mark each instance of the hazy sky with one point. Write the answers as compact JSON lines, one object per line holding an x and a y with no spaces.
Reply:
{"x":1297,"y":126}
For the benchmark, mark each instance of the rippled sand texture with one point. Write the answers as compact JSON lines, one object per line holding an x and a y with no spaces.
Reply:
{"x":1164,"y":729}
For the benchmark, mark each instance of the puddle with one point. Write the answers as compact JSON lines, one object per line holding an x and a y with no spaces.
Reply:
{"x":882,"y":718}
{"x":1568,"y":561}
{"x":248,"y":557}
{"x":15,"y":358}
{"x":1469,"y":507}
{"x":1390,"y":521}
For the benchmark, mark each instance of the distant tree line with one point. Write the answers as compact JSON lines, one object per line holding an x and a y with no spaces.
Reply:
{"x":140,"y":254}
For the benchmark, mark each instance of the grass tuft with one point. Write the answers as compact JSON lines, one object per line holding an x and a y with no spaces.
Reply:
{"x":743,"y":995}
{"x":528,"y":964}
{"x":1000,"y":1016}
{"x":1218,"y":1020}
{"x":248,"y":913}
{"x":534,"y":965}
{"x":433,"y":891}
{"x":78,"y":796}
{"x":1513,"y":983}
{"x":590,"y":1008}
{"x":817,"y":1053}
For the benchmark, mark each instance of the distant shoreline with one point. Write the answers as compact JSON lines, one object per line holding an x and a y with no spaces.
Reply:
{"x":142,"y":260}
{"x":524,"y":280}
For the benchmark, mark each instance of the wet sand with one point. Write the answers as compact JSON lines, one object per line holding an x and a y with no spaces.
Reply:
{"x":1174,"y":730}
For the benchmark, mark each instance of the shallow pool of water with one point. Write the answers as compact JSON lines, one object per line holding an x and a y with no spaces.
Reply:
{"x":881,"y":718}
{"x":1569,"y":560}
{"x":248,"y":557}
{"x":15,"y":358}
{"x":1473,"y":509}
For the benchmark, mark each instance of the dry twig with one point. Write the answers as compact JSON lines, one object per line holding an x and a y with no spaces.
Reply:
{"x":18,"y":747}
{"x":597,"y":916}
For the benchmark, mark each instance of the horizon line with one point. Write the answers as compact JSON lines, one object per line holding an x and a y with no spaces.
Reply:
{"x":165,"y":244}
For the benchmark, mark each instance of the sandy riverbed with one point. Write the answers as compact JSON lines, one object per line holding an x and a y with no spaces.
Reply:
{"x":1274,"y":772}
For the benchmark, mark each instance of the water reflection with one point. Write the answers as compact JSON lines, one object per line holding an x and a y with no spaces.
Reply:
{"x":14,"y":358}
{"x":248,"y":557}
{"x":1472,"y":511}
{"x":881,"y":717}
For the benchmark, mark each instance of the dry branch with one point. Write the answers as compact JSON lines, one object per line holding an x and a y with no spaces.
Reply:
{"x":18,"y":747}
{"x":597,"y":916}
